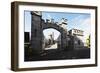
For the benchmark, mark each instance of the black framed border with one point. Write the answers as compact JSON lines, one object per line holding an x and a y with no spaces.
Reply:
{"x":15,"y":33}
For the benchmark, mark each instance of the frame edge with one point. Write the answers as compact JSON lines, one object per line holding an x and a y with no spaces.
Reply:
{"x":14,"y":41}
{"x":14,"y":36}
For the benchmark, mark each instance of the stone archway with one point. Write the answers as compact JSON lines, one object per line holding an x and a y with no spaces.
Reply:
{"x":37,"y":27}
{"x":64,"y":42}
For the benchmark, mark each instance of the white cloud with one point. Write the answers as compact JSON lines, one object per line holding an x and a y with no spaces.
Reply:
{"x":48,"y":16}
{"x":76,"y":20}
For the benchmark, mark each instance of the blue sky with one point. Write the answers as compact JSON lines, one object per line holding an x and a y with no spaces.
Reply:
{"x":75,"y":20}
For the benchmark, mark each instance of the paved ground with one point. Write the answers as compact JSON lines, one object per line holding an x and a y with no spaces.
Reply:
{"x":55,"y":54}
{"x":54,"y":46}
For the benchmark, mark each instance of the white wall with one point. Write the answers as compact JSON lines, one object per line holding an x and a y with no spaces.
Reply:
{"x":5,"y":31}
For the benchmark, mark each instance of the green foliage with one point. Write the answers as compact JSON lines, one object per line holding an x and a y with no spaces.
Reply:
{"x":88,"y":41}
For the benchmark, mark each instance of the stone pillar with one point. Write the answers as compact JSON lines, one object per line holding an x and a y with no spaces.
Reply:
{"x":64,"y":41}
{"x":36,"y":32}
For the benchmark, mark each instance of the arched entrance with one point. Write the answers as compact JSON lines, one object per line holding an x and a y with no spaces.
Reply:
{"x":37,"y":27}
{"x":63,"y":41}
{"x":51,"y":39}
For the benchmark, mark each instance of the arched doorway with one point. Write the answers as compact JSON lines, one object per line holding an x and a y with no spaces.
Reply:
{"x":51,"y":39}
